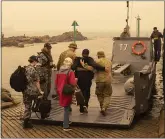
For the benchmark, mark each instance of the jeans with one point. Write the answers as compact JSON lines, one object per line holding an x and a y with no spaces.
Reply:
{"x":66,"y":117}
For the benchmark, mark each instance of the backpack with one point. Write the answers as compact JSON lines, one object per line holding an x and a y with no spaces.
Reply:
{"x":43,"y":106}
{"x":18,"y":80}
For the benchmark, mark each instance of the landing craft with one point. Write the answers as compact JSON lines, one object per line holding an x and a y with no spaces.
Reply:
{"x":132,"y":59}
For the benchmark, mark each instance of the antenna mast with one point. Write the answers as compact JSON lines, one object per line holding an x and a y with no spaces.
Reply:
{"x":138,"y":25}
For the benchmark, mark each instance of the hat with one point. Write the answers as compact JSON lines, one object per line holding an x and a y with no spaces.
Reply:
{"x":48,"y":45}
{"x":155,"y":28}
{"x":100,"y":53}
{"x":68,"y":61}
{"x":85,"y":52}
{"x":33,"y":58}
{"x":73,"y":45}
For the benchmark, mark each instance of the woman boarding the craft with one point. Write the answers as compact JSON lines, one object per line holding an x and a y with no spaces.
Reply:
{"x":65,"y":77}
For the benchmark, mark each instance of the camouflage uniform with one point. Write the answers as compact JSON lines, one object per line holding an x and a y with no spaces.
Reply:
{"x":103,"y":83}
{"x":65,"y":54}
{"x":31,"y":92}
{"x":125,"y":35}
{"x":45,"y":73}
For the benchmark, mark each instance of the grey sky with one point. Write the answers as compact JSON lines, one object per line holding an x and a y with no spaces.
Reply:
{"x":91,"y":16}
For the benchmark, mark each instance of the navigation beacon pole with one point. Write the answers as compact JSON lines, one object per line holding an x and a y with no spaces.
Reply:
{"x":74,"y":24}
{"x":138,"y":26}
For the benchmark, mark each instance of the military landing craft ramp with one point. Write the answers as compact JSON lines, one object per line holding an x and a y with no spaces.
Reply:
{"x":120,"y":113}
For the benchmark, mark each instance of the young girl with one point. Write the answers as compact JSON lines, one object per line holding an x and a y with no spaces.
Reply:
{"x":65,"y":75}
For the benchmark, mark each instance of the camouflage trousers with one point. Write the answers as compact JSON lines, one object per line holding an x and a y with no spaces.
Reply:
{"x":27,"y":100}
{"x":103,"y":92}
{"x":46,"y":86}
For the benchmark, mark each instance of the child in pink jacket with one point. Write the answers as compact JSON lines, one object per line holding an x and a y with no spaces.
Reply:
{"x":65,"y":74}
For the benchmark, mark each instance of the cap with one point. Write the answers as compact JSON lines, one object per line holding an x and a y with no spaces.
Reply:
{"x":48,"y":45}
{"x":73,"y":45}
{"x":68,"y":61}
{"x":100,"y":53}
{"x":33,"y":58}
{"x":85,"y":52}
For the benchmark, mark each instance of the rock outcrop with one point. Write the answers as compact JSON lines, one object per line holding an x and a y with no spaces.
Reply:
{"x":19,"y":41}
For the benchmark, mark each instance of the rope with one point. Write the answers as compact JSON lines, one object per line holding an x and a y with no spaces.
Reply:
{"x":131,"y":14}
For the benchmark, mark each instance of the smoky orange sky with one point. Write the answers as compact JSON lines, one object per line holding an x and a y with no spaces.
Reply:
{"x":94,"y":16}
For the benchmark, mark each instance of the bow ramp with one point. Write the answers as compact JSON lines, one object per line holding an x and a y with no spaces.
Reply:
{"x":119,"y":113}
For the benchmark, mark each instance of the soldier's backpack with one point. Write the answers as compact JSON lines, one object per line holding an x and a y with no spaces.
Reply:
{"x":18,"y":80}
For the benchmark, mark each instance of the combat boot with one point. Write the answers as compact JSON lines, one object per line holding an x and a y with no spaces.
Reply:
{"x":103,"y":112}
{"x":27,"y":124}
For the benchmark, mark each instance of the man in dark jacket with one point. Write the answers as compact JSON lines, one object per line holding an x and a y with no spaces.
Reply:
{"x":85,"y":76}
{"x":156,"y":36}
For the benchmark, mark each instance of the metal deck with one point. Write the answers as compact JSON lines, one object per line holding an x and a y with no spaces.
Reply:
{"x":120,"y":112}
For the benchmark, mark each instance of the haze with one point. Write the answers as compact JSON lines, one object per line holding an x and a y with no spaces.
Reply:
{"x":47,"y":17}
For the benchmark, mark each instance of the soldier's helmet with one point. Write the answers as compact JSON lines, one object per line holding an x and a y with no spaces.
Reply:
{"x":73,"y":45}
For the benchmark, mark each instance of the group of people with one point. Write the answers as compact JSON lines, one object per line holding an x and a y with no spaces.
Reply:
{"x":79,"y":71}
{"x":156,"y":37}
{"x":72,"y":70}
{"x":38,"y":75}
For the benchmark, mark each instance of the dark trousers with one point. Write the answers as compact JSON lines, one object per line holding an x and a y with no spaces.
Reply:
{"x":157,"y":49}
{"x":84,"y":83}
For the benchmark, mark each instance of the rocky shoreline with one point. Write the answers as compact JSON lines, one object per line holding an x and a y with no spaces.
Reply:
{"x":20,"y":41}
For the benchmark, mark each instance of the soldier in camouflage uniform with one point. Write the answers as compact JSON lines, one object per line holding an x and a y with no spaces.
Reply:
{"x":32,"y":91}
{"x":45,"y":68}
{"x":68,"y":53}
{"x":103,"y":82}
{"x":125,"y":33}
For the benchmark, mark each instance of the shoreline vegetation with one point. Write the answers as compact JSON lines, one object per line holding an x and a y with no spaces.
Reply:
{"x":21,"y":41}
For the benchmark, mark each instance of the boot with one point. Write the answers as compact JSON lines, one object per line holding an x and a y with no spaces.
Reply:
{"x":27,"y":124}
{"x":103,"y":112}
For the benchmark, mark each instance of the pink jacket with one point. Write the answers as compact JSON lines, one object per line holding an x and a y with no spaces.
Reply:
{"x":64,"y":100}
